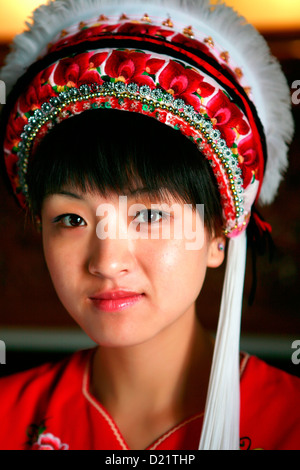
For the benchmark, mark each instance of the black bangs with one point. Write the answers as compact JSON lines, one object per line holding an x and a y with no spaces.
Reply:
{"x":111,"y":151}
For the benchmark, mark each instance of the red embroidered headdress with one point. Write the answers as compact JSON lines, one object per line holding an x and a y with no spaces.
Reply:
{"x":196,"y":67}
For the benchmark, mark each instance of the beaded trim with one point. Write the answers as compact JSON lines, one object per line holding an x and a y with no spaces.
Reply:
{"x":156,"y":98}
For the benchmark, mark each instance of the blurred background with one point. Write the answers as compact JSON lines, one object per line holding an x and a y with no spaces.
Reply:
{"x":36,"y":328}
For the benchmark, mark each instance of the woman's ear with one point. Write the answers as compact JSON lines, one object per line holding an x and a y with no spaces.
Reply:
{"x":216,"y":252}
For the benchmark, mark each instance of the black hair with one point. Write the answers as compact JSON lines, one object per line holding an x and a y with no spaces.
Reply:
{"x":116,"y":151}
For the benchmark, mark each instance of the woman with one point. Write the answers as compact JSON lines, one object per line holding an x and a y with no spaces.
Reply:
{"x":93,"y":123}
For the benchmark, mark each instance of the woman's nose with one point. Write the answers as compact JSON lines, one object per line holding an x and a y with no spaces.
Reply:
{"x":111,"y":257}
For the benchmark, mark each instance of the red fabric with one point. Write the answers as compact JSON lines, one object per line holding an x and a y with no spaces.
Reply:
{"x":50,"y":407}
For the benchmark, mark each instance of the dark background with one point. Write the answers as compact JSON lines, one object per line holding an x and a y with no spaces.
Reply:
{"x":28,"y":300}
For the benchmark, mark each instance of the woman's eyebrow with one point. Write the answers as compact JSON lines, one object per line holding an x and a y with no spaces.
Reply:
{"x":145,"y":193}
{"x":141,"y":193}
{"x":69,"y":194}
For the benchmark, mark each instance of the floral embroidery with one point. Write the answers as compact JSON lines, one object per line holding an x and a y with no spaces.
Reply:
{"x":13,"y":131}
{"x":92,"y":30}
{"x":248,"y":159}
{"x":72,"y":72}
{"x":184,"y":83}
{"x":49,"y":442}
{"x":132,"y":66}
{"x":33,"y":432}
{"x":39,"y":440}
{"x":228,"y":117}
{"x":38,"y":91}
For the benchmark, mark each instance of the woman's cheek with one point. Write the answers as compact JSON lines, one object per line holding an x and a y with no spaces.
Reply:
{"x":61,"y":258}
{"x":169,"y":258}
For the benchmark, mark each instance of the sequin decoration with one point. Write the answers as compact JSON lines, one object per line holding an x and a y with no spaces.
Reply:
{"x":188,"y":31}
{"x":168,"y":22}
{"x":225,"y":56}
{"x":146,"y":18}
{"x":209,"y":40}
{"x":102,"y":18}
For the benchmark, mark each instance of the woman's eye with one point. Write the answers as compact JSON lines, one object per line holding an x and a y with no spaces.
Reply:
{"x":70,"y":220}
{"x":150,"y":216}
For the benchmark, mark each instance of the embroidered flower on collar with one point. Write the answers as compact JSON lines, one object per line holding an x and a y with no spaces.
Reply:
{"x":49,"y":442}
{"x":41,"y":440}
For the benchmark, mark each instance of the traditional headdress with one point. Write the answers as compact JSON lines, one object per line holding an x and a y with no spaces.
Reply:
{"x":197,"y":67}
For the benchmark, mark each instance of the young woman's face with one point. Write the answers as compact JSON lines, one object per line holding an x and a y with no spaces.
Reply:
{"x":92,"y":249}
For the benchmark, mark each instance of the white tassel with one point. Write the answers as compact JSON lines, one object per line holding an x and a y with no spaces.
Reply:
{"x":221,"y":418}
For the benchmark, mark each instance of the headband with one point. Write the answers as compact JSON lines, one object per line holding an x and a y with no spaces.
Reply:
{"x":197,"y":67}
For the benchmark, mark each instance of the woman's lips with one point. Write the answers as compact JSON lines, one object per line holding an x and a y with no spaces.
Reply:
{"x":115,"y":300}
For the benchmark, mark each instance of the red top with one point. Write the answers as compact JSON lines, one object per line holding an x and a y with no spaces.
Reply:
{"x":50,"y":407}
